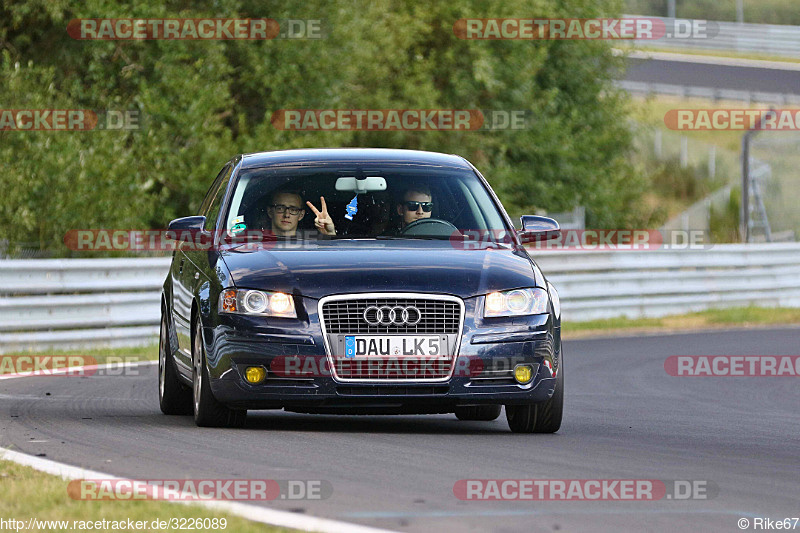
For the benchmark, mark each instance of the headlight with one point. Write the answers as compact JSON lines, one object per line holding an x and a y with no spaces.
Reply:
{"x":261,"y":303}
{"x":516,"y":302}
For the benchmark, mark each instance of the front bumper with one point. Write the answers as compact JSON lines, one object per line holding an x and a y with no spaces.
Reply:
{"x":483,"y":369}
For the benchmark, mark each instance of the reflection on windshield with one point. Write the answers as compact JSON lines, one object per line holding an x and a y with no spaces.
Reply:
{"x":418,"y":203}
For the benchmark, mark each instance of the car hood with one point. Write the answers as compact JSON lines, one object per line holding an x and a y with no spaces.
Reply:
{"x":325,"y":268}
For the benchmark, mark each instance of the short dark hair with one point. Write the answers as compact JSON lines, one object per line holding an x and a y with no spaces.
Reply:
{"x":415,"y":187}
{"x":293,"y":192}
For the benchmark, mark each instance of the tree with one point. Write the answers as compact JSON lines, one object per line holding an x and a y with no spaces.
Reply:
{"x":201,"y":102}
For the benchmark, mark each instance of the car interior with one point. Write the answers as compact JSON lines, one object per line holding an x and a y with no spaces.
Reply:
{"x":375,"y":212}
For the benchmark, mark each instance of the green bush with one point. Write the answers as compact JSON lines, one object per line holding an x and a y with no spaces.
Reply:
{"x":724,"y":223}
{"x":202,"y":102}
{"x":688,"y":184}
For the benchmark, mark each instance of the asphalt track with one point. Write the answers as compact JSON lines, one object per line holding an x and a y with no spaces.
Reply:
{"x":738,"y":78}
{"x":625,"y":419}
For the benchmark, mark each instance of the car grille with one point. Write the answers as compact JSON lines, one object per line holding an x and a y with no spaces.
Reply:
{"x":438,"y":315}
{"x":490,"y":377}
{"x":383,"y":390}
{"x":347,"y":316}
{"x":387,"y":368}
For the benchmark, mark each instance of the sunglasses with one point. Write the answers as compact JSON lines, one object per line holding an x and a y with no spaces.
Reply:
{"x":281,"y":209}
{"x":413,"y":206}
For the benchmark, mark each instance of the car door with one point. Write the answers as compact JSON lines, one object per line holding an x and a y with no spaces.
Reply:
{"x":184,"y":280}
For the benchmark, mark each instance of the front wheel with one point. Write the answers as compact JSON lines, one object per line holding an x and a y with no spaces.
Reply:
{"x":208,"y":412}
{"x":544,"y":417}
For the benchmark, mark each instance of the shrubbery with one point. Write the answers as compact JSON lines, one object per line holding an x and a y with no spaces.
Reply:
{"x":202,"y":102}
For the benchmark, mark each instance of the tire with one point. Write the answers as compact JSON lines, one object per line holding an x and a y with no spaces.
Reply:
{"x":174,"y":397}
{"x":483,"y":413}
{"x":544,"y":417}
{"x":208,"y":412}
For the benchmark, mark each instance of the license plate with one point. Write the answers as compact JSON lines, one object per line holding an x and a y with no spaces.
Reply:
{"x":393,"y":346}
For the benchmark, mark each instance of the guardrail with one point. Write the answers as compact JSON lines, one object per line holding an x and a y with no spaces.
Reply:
{"x":685,"y":91}
{"x":652,"y":283}
{"x":79,"y":303}
{"x":773,"y":39}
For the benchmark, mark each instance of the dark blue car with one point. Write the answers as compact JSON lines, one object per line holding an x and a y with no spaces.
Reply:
{"x":364,"y":281}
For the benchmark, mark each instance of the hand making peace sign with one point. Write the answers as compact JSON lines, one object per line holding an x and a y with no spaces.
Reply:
{"x":323,"y":221}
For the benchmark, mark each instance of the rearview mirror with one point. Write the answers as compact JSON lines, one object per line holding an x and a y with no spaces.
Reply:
{"x":537,"y":228}
{"x":361,"y":186}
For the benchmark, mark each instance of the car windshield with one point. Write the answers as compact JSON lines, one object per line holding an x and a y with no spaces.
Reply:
{"x":418,"y":202}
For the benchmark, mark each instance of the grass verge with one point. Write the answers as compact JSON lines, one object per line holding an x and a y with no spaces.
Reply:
{"x":733,"y":54}
{"x":28,"y":494}
{"x":651,"y":111}
{"x":745,"y":317}
{"x":10,"y":363}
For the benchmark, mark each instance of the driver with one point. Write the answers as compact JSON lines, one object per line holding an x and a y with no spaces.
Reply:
{"x":417,"y":204}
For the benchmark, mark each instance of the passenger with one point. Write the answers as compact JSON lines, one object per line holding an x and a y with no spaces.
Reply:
{"x":286,"y":211}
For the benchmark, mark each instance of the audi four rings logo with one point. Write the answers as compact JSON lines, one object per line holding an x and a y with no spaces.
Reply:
{"x":392,"y":316}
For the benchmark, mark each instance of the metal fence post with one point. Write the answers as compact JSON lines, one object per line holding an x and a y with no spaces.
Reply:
{"x":712,"y":161}
{"x":744,"y":214}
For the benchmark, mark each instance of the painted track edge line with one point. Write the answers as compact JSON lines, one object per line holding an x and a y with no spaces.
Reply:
{"x":677,"y":57}
{"x":250,"y":512}
{"x":676,"y":332}
{"x":64,"y":370}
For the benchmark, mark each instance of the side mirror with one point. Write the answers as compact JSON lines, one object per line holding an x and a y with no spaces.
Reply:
{"x":537,"y":229}
{"x":185,"y":228}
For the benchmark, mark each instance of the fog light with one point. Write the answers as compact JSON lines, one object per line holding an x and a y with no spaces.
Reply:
{"x":523,"y":374}
{"x":255,"y":374}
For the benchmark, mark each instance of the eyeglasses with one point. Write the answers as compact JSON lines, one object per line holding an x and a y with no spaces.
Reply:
{"x":281,"y":209}
{"x":413,"y":206}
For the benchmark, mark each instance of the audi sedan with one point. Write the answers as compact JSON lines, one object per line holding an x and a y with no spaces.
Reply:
{"x":359,"y":281}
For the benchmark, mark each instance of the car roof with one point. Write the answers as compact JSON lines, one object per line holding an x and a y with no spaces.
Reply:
{"x":352,"y":155}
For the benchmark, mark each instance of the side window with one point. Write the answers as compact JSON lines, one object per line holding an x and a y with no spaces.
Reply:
{"x":213,"y":202}
{"x":212,"y":191}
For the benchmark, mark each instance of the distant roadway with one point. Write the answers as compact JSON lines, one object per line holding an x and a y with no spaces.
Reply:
{"x":713,"y":72}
